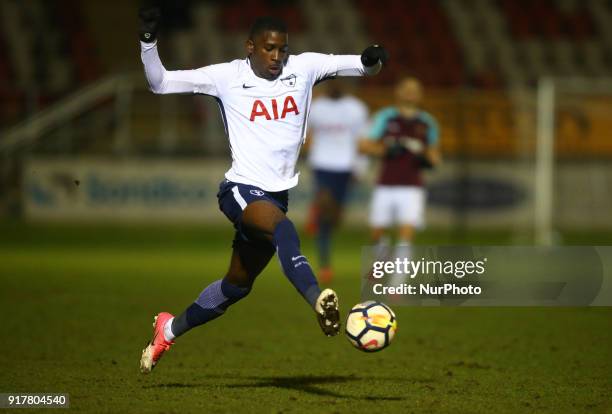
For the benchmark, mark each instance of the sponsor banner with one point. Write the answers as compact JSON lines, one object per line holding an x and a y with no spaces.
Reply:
{"x":489,"y":195}
{"x":141,"y":190}
{"x":488,"y":275}
{"x":121,"y":190}
{"x":137,"y":189}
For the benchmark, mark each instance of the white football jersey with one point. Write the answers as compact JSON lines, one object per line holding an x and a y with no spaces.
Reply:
{"x":265,"y":120}
{"x":336,"y":126}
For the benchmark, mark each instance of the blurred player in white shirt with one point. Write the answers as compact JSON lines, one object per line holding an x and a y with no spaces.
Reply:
{"x":336,"y":122}
{"x":264,"y":100}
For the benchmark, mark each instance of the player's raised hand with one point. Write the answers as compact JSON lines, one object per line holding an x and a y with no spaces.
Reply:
{"x":374,"y":54}
{"x":150,"y":17}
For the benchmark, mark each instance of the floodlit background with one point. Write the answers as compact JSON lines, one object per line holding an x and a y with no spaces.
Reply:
{"x":108,"y":210}
{"x":521,"y":90}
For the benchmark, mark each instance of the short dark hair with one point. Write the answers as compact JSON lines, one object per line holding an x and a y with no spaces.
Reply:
{"x":270,"y":23}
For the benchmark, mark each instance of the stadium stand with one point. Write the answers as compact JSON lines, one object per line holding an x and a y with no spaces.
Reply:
{"x":473,"y":55}
{"x":483,"y":44}
{"x":421,"y":41}
{"x":512,"y":43}
{"x":45,"y":53}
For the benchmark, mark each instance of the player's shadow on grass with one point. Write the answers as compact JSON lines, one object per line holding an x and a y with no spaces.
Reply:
{"x":311,"y":385}
{"x":172,"y":385}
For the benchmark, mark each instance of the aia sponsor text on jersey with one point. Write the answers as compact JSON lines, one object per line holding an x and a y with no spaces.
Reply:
{"x":270,"y":110}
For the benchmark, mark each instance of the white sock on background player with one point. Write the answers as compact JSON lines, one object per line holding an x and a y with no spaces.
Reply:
{"x":382,"y":248}
{"x":403,"y":250}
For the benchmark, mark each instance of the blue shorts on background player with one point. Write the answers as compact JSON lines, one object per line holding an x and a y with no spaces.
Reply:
{"x":336,"y":122}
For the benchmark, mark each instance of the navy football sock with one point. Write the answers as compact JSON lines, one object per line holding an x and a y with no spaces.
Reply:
{"x":294,"y":264}
{"x":211,"y":304}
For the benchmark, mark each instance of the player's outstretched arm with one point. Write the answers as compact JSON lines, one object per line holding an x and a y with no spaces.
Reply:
{"x":162,"y":81}
{"x":373,"y":58}
{"x":370,"y":62}
{"x":323,"y":66}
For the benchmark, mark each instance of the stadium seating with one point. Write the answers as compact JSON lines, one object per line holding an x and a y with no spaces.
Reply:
{"x":45,"y":51}
{"x":420,"y":42}
{"x":520,"y":41}
{"x":487,"y":44}
{"x":48,"y":49}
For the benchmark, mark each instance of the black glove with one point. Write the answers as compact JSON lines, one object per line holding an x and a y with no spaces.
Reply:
{"x":150,"y":18}
{"x":395,"y":150}
{"x":424,"y":162}
{"x":372,"y":54}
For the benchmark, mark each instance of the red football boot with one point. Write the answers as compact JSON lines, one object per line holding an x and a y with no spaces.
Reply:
{"x":158,"y":345}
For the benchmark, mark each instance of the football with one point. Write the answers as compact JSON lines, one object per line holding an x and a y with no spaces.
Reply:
{"x":371,"y":326}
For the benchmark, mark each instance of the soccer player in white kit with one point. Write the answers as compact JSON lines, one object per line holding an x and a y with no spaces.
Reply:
{"x":337,"y":120}
{"x":264,"y":101}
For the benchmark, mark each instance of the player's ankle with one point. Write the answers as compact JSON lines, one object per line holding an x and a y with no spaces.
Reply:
{"x":168,"y":334}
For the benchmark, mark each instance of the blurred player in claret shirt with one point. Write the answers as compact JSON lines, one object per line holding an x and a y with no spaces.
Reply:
{"x":406,"y":139}
{"x":337,"y":120}
{"x":264,"y":100}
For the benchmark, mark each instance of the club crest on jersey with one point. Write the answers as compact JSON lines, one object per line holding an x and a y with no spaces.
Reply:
{"x":271,"y":111}
{"x":289,"y":80}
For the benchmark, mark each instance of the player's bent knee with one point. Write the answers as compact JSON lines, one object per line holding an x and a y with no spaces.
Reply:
{"x":261,"y":216}
{"x":249,"y":259}
{"x":240,"y":279}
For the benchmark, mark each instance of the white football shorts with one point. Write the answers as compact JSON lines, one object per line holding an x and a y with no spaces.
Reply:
{"x":397,"y":205}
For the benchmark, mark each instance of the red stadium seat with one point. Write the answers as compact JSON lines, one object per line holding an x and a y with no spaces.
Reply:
{"x":427,"y":41}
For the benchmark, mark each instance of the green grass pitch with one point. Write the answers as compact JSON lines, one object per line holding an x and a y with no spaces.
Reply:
{"x":77,"y":306}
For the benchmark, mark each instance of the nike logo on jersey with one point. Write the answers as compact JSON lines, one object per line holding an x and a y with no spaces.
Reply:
{"x":261,"y":109}
{"x":245,"y":86}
